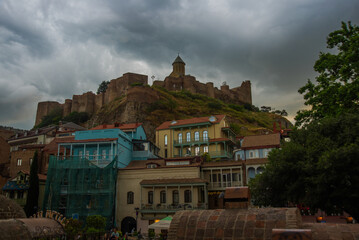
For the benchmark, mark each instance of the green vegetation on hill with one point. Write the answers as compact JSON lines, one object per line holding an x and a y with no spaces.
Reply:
{"x":56,"y":115}
{"x":244,"y":120}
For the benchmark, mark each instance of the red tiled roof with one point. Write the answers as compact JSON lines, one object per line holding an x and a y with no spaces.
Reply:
{"x":168,"y":124}
{"x":171,"y":180}
{"x":41,"y":176}
{"x":261,"y":140}
{"x":125,"y":126}
{"x":87,"y":140}
{"x":52,"y":146}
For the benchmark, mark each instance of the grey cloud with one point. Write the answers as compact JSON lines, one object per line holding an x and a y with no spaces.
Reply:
{"x":60,"y":48}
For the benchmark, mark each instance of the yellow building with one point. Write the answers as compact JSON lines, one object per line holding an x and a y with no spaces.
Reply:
{"x":149,"y":190}
{"x":196,"y":136}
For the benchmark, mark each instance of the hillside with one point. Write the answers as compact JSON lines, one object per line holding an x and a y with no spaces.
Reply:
{"x":154,"y":105}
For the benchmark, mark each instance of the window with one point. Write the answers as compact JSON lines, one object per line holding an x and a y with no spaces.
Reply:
{"x":205,"y":135}
{"x":205,"y":149}
{"x":188,"y":151}
{"x":196,"y":150}
{"x":187,"y":196}
{"x":163,"y":196}
{"x":150,"y":197}
{"x":30,"y":160}
{"x":104,"y":154}
{"x":214,"y":177}
{"x":196,"y":136}
{"x":251,"y":172}
{"x":188,"y":137}
{"x":130,"y":197}
{"x":175,"y":197}
{"x":151,"y":165}
{"x":180,"y":138}
{"x":166,"y":153}
{"x":166,"y":140}
{"x":19,"y":161}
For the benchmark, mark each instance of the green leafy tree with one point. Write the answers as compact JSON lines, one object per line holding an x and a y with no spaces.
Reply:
{"x":337,"y":88}
{"x":73,"y":228}
{"x":33,"y":192}
{"x":103,"y":87}
{"x":319,"y":167}
{"x":96,"y":223}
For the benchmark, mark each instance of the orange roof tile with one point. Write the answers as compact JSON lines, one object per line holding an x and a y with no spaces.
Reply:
{"x":182,"y":122}
{"x":124,"y":126}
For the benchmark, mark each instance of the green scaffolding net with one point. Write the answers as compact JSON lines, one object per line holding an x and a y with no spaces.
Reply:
{"x":77,"y":187}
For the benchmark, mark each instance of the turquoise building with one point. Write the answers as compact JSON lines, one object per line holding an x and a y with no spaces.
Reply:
{"x":81,"y":179}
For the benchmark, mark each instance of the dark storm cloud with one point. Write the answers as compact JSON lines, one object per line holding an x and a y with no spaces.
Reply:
{"x":51,"y":50}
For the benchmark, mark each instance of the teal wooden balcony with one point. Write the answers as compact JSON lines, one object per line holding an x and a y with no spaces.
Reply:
{"x":184,"y":142}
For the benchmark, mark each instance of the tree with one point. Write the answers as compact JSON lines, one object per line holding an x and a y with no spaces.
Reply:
{"x":337,"y":89}
{"x":103,"y":87}
{"x":33,"y":192}
{"x":319,"y":166}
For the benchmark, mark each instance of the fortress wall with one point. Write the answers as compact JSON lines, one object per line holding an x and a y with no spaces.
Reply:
{"x":86,"y":102}
{"x":158,"y":83}
{"x":142,"y":94}
{"x":75,"y":103}
{"x":173,"y":84}
{"x":44,"y":108}
{"x":99,"y":101}
{"x":210,"y":89}
{"x":67,"y":107}
{"x":244,"y":92}
{"x":189,"y":83}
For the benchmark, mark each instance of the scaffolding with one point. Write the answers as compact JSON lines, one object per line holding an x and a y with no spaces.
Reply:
{"x":77,"y":188}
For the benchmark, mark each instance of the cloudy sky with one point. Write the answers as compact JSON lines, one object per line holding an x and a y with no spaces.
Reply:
{"x":50,"y":50}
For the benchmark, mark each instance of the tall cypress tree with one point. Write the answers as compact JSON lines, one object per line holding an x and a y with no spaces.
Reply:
{"x":33,"y":192}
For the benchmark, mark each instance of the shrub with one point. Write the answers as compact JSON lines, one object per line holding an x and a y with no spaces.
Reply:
{"x":214,"y":105}
{"x":97,"y":222}
{"x":236,"y":107}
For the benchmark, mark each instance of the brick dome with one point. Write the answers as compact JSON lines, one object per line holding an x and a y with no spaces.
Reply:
{"x":10,"y":209}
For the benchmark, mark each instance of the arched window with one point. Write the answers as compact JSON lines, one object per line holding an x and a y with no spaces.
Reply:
{"x":251,"y":172}
{"x":260,"y":170}
{"x":196,"y":136}
{"x":196,"y":151}
{"x":188,"y":137}
{"x":130,"y":197}
{"x":205,"y":135}
{"x":175,"y":197}
{"x":166,"y":140}
{"x":187,"y":196}
{"x":180,"y":138}
{"x":163,"y":196}
{"x":150,"y":197}
{"x":205,"y":149}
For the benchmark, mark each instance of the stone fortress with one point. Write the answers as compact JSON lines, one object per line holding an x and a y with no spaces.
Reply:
{"x":130,"y":85}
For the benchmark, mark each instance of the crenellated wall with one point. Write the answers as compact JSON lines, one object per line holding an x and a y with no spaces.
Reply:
{"x":239,"y":95}
{"x":91,"y":103}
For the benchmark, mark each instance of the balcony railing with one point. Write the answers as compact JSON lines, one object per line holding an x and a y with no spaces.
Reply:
{"x":191,"y":141}
{"x":216,"y":185}
{"x":171,"y":207}
{"x":212,"y":154}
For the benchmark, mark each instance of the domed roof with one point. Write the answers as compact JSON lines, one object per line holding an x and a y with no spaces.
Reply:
{"x":178,"y":60}
{"x":10,"y":209}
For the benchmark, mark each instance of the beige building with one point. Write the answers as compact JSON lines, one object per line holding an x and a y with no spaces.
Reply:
{"x":149,"y":190}
{"x":196,"y":136}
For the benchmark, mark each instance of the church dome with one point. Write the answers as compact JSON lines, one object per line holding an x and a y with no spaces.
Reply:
{"x":179,"y":60}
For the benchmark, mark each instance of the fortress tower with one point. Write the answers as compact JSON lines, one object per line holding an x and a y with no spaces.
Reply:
{"x":178,"y":67}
